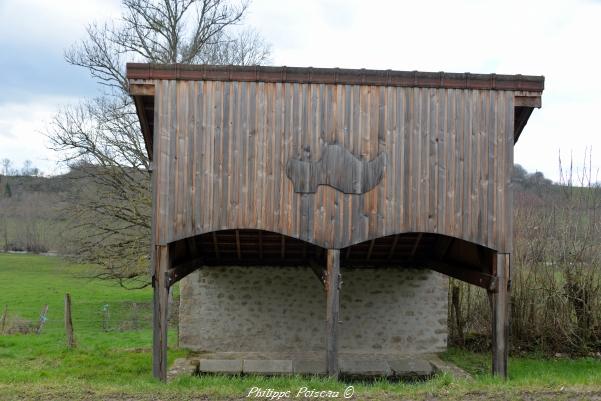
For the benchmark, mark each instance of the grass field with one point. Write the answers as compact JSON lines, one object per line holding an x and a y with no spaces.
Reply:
{"x":112,"y":358}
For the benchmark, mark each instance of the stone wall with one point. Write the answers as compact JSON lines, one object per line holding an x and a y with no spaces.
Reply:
{"x":282,"y":309}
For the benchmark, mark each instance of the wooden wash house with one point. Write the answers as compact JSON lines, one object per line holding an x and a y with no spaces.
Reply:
{"x":332,"y":171}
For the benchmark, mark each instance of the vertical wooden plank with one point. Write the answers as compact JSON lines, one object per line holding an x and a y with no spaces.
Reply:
{"x":224,"y":121}
{"x":198,"y":158}
{"x":236,"y":165}
{"x":278,"y":134}
{"x":397,"y":169}
{"x":160,"y":313}
{"x":432,"y":160}
{"x":392,"y":177}
{"x":356,"y":124}
{"x":500,"y":316}
{"x":216,"y":160}
{"x":332,"y":311}
{"x":443,"y":162}
{"x":209,"y":138}
{"x":408,"y":157}
{"x":169,"y":133}
{"x":490,"y":187}
{"x":508,"y":136}
{"x":380,"y":146}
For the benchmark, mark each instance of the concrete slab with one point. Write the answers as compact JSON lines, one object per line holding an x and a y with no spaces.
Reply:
{"x":365,"y":367}
{"x":309,"y":367}
{"x":228,"y":366}
{"x":267,"y":366}
{"x":411,"y":367}
{"x":448,"y":367}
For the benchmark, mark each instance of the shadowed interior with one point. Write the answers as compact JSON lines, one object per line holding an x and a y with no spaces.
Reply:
{"x":245,"y":247}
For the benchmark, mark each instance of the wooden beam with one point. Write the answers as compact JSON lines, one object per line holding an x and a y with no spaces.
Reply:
{"x":347,"y":254}
{"x":238,"y":245}
{"x":500,"y":316}
{"x":181,"y":270}
{"x":470,"y":276}
{"x":417,"y":240}
{"x":393,"y":247}
{"x":332,"y":311}
{"x":160,"y":312}
{"x":215,"y":245}
{"x":371,"y":248}
{"x":443,"y":246}
{"x":141,"y":89}
{"x":527,"y":101}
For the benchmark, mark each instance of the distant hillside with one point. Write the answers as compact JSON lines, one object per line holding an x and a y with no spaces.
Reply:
{"x":32,"y":210}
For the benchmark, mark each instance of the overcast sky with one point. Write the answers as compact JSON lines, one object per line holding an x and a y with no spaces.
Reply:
{"x":557,"y":39}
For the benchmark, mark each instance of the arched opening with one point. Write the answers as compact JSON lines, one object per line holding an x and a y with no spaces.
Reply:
{"x":241,"y":247}
{"x":451,"y":256}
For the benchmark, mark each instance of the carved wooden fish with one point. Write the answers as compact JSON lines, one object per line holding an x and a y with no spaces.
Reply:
{"x":338,"y":168}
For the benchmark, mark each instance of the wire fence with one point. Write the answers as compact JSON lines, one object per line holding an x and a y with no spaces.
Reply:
{"x":87,"y":317}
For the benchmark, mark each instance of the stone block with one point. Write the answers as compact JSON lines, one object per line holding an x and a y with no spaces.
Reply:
{"x":309,"y":367}
{"x":365,"y":368}
{"x":267,"y":366}
{"x":228,"y":366}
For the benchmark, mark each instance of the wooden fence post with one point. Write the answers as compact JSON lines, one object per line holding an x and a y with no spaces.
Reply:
{"x":69,"y":322}
{"x":43,"y":319}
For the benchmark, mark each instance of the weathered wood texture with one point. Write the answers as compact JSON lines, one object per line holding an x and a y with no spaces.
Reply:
{"x":332,"y":311}
{"x":500,"y":316}
{"x":160,"y":313}
{"x":337,"y":168}
{"x":221,"y":150}
{"x":69,"y":322}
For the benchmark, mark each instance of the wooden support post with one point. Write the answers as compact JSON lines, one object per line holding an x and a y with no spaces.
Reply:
{"x":160,"y":312}
{"x":500,"y":316}
{"x":69,"y":322}
{"x":332,"y":311}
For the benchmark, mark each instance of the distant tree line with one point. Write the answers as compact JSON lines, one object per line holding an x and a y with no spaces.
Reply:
{"x":28,"y":169}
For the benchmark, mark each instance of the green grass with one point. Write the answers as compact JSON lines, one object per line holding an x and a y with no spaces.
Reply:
{"x":115,"y":363}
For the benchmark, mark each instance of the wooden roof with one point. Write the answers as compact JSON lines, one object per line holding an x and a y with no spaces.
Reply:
{"x":336,"y":76}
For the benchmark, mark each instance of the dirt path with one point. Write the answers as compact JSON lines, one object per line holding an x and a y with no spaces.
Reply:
{"x":477,"y":396}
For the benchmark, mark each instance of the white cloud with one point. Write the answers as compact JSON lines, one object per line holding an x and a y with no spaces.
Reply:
{"x":22,"y":132}
{"x":57,"y":23}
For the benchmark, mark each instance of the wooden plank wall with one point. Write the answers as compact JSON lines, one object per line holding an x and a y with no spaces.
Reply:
{"x":221,"y":150}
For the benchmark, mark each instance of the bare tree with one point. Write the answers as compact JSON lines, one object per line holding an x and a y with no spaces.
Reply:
{"x":6,"y":166}
{"x":100,"y":138}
